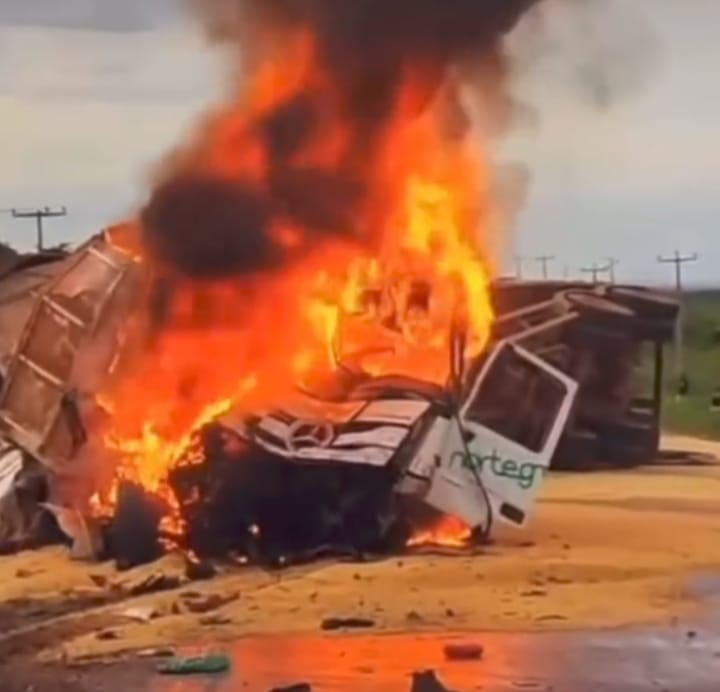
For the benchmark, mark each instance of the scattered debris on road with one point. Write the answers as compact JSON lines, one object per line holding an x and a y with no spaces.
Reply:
{"x":204,"y":603}
{"x":210,"y":664}
{"x":427,"y":681}
{"x":155,"y":583}
{"x":467,"y":651}
{"x":331,"y":624}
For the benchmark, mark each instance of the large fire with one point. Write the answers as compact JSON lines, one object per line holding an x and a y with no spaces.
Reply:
{"x":381,"y":297}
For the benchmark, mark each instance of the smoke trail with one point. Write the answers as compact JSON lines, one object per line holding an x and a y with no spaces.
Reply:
{"x":365,"y":51}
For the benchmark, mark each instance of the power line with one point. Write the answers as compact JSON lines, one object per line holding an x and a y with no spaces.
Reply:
{"x":39,"y":215}
{"x":543,"y":260}
{"x":612,"y":263}
{"x":678,"y":260}
{"x":595,"y":269}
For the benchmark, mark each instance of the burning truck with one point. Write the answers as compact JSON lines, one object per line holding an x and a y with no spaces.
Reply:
{"x":299,"y":344}
{"x":349,"y":461}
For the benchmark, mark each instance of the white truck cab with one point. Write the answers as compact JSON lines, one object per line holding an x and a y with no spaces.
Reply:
{"x":475,"y":453}
{"x":490,"y":457}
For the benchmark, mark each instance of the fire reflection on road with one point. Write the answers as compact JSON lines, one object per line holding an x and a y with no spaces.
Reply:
{"x":621,"y":660}
{"x":353,"y":664}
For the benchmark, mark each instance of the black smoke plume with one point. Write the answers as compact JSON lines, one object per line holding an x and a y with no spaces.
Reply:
{"x":207,"y":227}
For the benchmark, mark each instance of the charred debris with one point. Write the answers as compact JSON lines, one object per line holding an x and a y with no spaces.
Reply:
{"x":559,"y":380}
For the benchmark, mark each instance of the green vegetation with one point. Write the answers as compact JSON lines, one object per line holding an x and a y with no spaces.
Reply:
{"x":691,"y":414}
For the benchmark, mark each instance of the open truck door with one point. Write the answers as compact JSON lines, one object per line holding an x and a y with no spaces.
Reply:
{"x":496,"y":452}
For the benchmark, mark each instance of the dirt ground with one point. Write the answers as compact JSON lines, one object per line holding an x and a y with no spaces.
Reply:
{"x":604,"y":549}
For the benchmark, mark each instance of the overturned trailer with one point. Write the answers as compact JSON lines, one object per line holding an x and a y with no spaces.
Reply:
{"x":610,"y":339}
{"x":63,"y":321}
{"x":367,"y":460}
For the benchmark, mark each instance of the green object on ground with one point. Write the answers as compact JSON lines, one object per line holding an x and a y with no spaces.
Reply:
{"x":212,"y":663}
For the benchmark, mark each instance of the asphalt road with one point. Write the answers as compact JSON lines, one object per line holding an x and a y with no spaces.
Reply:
{"x":674,"y":658}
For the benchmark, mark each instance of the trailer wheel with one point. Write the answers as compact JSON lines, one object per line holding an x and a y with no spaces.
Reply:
{"x":604,"y":312}
{"x":647,"y":304}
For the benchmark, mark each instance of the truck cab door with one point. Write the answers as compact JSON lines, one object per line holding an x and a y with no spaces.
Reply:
{"x":512,"y":414}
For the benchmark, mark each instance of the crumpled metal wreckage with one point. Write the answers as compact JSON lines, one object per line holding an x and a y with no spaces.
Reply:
{"x":555,"y":383}
{"x":23,"y":488}
{"x":59,"y":332}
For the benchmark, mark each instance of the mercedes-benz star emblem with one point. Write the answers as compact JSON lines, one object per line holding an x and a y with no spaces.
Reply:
{"x":304,"y":434}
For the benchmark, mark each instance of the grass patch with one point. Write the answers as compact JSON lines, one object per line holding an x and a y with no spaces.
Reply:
{"x":691,"y":415}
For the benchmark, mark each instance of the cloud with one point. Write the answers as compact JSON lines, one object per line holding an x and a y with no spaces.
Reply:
{"x":86,"y":115}
{"x":99,"y":15}
{"x":94,"y":92}
{"x":636,"y":175}
{"x":64,"y":65}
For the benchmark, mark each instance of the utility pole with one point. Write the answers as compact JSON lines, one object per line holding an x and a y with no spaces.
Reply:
{"x":612,"y":263}
{"x":595,"y":269}
{"x":519,"y":266}
{"x":543,"y":260}
{"x":39,"y":215}
{"x":678,"y":260}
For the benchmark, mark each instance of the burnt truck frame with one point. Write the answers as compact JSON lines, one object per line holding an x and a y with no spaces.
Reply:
{"x":68,"y":340}
{"x":554,"y":387}
{"x":461,"y":450}
{"x":479,"y":447}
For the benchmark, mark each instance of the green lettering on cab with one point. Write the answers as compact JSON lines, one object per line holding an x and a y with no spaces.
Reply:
{"x":524,"y":474}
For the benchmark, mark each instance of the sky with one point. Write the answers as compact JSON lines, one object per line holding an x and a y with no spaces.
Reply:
{"x":622,"y":140}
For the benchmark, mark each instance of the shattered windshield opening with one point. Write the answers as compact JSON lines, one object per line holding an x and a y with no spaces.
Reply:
{"x":518,"y":400}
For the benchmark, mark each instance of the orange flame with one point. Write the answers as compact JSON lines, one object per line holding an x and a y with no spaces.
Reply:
{"x":449,"y":532}
{"x":246,"y":343}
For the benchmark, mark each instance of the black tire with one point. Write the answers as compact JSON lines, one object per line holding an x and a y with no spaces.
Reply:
{"x":646,"y":304}
{"x":598,"y":310}
{"x":577,"y":451}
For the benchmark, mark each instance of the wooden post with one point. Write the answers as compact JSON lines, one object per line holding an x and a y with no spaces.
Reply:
{"x":658,"y":381}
